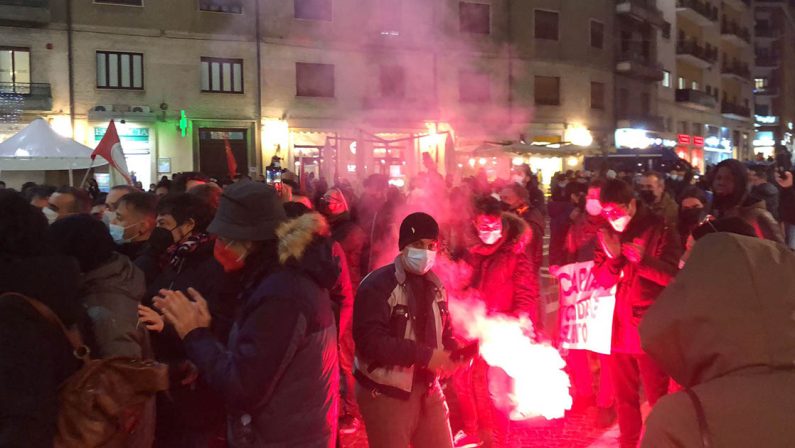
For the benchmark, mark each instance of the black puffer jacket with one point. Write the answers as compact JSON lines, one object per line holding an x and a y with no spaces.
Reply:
{"x":35,"y":357}
{"x":279,"y":373}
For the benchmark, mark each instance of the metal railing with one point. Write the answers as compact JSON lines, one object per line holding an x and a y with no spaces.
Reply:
{"x":740,"y":70}
{"x":703,"y":8}
{"x":735,"y":109}
{"x":28,"y":3}
{"x":692,"y":48}
{"x":734,"y":28}
{"x":27,"y":89}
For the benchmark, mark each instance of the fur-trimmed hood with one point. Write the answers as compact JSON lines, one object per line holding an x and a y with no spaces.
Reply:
{"x":516,"y":235}
{"x":305,"y":244}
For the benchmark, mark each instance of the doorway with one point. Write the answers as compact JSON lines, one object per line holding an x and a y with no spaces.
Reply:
{"x":212,"y":151}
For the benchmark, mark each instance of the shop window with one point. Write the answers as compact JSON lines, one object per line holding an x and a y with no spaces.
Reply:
{"x":547,"y":91}
{"x":313,"y":10}
{"x":474,"y":18}
{"x":474,"y":87}
{"x":120,"y":70}
{"x":222,"y":75}
{"x":314,"y":80}
{"x":392,"y":81}
{"x":120,"y":2}
{"x":666,"y":81}
{"x":15,"y":70}
{"x":223,"y":6}
{"x":546,"y":25}
{"x":597,"y":34}
{"x":597,"y":95}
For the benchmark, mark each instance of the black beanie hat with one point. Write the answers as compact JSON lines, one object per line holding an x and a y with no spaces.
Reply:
{"x":84,"y":238}
{"x":417,"y":226}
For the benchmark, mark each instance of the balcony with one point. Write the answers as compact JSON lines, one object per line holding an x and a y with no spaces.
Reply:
{"x":690,"y":51}
{"x":735,"y":71}
{"x":735,"y":111}
{"x":26,"y":96}
{"x":638,"y":121}
{"x":33,"y":12}
{"x":766,"y":32}
{"x":641,"y":10}
{"x":768,"y":61}
{"x":696,"y":99}
{"x":735,"y":34}
{"x":635,"y":65}
{"x":769,"y":91}
{"x":698,"y":11}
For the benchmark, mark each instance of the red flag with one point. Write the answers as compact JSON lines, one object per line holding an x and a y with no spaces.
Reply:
{"x":109,"y":148}
{"x":231,"y":163}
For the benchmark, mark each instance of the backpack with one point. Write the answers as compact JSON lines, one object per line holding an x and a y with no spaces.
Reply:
{"x":102,"y":404}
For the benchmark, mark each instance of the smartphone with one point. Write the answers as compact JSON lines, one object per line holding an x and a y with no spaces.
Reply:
{"x":466,"y":352}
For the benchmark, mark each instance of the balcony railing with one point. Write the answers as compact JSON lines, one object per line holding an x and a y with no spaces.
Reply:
{"x":25,"y":11}
{"x":696,"y":99}
{"x":767,"y":91}
{"x":735,"y":109}
{"x":767,"y":32}
{"x":36,"y":96}
{"x":768,"y":61}
{"x":642,"y":10}
{"x":739,"y":70}
{"x":636,"y":64}
{"x":693,"y":49}
{"x":700,"y":7}
{"x":734,"y":29}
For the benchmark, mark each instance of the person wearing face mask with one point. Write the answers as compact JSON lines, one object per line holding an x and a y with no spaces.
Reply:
{"x":277,"y":373}
{"x":516,"y":200}
{"x":132,"y":224}
{"x":652,"y":192}
{"x":507,"y":281}
{"x":562,"y":213}
{"x":404,"y":339}
{"x":190,"y":414}
{"x":639,"y":254}
{"x":67,"y":201}
{"x":581,"y":238}
{"x":692,"y":212}
{"x":112,"y":201}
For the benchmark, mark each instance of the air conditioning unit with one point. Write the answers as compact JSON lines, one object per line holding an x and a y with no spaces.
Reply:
{"x":103,"y":108}
{"x":144,"y":109}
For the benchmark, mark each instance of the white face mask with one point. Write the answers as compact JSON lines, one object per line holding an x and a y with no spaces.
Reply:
{"x":50,"y":214}
{"x":620,"y":224}
{"x":107,"y":217}
{"x":593,"y":207}
{"x":419,"y":261}
{"x":490,"y":237}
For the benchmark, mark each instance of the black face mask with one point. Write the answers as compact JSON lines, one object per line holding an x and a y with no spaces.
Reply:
{"x":161,"y":239}
{"x":690,"y":217}
{"x":647,"y":196}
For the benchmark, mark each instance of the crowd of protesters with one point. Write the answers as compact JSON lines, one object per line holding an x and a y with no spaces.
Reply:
{"x":288,"y":313}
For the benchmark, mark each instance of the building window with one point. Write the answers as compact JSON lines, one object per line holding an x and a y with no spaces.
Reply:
{"x":474,"y":87}
{"x":623,"y":102}
{"x":680,"y":83}
{"x":762,"y":109}
{"x":597,"y":95}
{"x":120,"y":2}
{"x":474,"y":18}
{"x":666,"y":30}
{"x":760,"y":83}
{"x":597,"y":34}
{"x":698,"y":129}
{"x":546,"y":25}
{"x":224,"y":6}
{"x":694,"y":85}
{"x":120,"y":70}
{"x":645,"y":103}
{"x":315,"y":80}
{"x":666,"y":81}
{"x":708,"y":89}
{"x":313,"y":9}
{"x":683,"y":128}
{"x":547,"y":91}
{"x":222,"y":75}
{"x":392,"y":81}
{"x":15,"y":70}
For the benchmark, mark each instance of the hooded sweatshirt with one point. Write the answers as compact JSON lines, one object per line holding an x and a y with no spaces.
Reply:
{"x":726,"y":329}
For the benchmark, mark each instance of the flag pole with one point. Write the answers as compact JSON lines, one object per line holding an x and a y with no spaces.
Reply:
{"x":85,"y":176}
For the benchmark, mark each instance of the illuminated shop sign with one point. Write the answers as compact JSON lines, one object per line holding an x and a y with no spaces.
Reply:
{"x":639,"y":139}
{"x":766,"y":119}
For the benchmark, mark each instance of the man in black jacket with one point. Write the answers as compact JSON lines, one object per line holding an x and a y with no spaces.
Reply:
{"x":787,"y":206}
{"x":403,"y":335}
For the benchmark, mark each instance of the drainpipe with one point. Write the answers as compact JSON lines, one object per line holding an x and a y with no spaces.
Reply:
{"x":71,"y":65}
{"x":258,"y":114}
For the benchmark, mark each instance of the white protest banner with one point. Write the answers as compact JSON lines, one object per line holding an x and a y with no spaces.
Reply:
{"x":586,"y":310}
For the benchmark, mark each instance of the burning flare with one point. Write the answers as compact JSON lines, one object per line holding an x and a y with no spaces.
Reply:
{"x":536,"y":384}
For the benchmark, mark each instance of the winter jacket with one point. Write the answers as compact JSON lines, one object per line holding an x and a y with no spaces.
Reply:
{"x":111,"y":294}
{"x":769,"y":193}
{"x":638,"y":285}
{"x":755,"y":212}
{"x":725,"y":330}
{"x":667,"y":209}
{"x":581,"y":241}
{"x":559,"y":223}
{"x":352,"y":239}
{"x":503,"y":272}
{"x":388,"y":355}
{"x":278,"y":373}
{"x":35,"y":357}
{"x":787,"y":205}
{"x":535,"y":219}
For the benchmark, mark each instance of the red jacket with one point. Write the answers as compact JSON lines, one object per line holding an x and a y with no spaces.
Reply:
{"x":504,"y":273}
{"x":638,"y":285}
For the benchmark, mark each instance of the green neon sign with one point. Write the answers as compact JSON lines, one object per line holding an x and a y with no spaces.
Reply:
{"x":183,"y":123}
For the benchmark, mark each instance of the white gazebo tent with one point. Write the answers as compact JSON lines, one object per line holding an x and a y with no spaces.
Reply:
{"x":38,"y":147}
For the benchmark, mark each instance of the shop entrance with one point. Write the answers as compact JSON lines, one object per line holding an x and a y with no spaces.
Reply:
{"x":212,"y":151}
